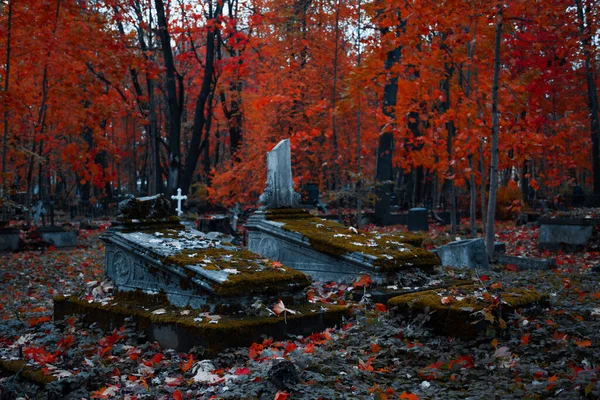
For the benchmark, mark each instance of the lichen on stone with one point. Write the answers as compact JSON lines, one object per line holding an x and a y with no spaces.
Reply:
{"x":392,"y":251}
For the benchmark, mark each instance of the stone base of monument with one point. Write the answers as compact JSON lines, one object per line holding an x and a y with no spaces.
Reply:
{"x":173,"y":329}
{"x":527,"y":262}
{"x":567,"y":234}
{"x":464,"y":311}
{"x":9,"y":239}
{"x":329,"y":251}
{"x":57,"y":236}
{"x":469,"y":253}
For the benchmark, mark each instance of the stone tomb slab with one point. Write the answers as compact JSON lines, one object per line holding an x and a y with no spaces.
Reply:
{"x":182,"y":330}
{"x":329,"y":251}
{"x":193,"y":270}
{"x":464,"y":311}
{"x":57,"y":236}
{"x":527,"y":262}
{"x":567,"y":234}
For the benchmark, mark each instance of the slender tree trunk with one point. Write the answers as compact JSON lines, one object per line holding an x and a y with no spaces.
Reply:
{"x":495,"y":133}
{"x":334,"y":127}
{"x":383,"y":179}
{"x":586,"y":43}
{"x":4,"y":187}
{"x":173,"y":99}
{"x":201,"y":104}
{"x":358,"y":132}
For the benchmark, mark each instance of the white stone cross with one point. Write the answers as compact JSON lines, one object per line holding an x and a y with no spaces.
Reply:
{"x":179,"y":197}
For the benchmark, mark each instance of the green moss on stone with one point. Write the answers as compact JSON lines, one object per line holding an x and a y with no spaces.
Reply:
{"x":392,"y":251}
{"x":458,"y":317}
{"x":254,"y":274}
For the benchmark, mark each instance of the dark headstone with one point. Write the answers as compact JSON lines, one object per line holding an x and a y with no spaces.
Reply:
{"x":284,"y":375}
{"x":527,"y":262}
{"x":499,"y":248}
{"x":143,"y":208}
{"x":417,"y":219}
{"x":9,"y":239}
{"x":215,"y":223}
{"x":310,"y":194}
{"x":464,"y":253}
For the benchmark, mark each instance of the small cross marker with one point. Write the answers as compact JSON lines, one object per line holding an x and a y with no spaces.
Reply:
{"x":179,"y":197}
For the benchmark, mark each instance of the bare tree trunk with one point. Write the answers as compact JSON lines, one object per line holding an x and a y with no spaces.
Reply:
{"x":4,"y":187}
{"x":173,"y":99}
{"x":495,"y":133}
{"x":200,"y":119}
{"x":586,"y":42}
{"x":358,"y":132}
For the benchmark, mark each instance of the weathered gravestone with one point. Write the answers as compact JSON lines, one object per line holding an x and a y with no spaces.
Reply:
{"x":155,"y":263}
{"x":9,"y":239}
{"x":324,"y":249}
{"x":464,"y":253}
{"x":567,"y":234}
{"x":417,"y":219}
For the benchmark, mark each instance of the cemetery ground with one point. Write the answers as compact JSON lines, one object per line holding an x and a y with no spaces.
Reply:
{"x":550,"y":351}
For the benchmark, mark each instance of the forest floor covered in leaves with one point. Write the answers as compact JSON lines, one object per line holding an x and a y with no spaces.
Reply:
{"x":550,"y":352}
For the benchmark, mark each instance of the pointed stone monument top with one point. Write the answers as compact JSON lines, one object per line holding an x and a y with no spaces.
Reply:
{"x":279,"y":192}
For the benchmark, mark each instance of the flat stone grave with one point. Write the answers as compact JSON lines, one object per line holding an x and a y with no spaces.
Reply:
{"x":566,"y":233}
{"x":326,"y":250}
{"x":185,"y":289}
{"x":465,"y":310}
{"x":464,"y":253}
{"x":329,"y":251}
{"x":57,"y":236}
{"x":526,"y":262}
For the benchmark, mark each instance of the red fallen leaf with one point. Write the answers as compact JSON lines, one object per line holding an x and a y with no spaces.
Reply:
{"x":594,"y":295}
{"x":364,"y":280}
{"x":560,"y":336}
{"x":553,"y":378}
{"x":309,"y":348}
{"x":485,"y":278}
{"x":154,"y":360}
{"x":291,"y":346}
{"x":280,"y":395}
{"x":525,"y":339}
{"x":380,"y":307}
{"x":185,"y":367}
{"x":566,"y":283}
{"x":409,"y":396}
{"x":512,"y":268}
{"x":583,"y":343}
{"x":242,"y":371}
{"x":276,"y":264}
{"x":35,"y":321}
{"x":496,"y":285}
{"x":375,"y":347}
{"x":177,"y":395}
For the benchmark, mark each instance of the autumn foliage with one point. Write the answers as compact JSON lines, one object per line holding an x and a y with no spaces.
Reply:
{"x":85,"y":106}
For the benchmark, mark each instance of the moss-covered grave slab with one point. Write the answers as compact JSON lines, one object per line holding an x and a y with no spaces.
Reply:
{"x":182,"y":328}
{"x":193,"y":270}
{"x":466,"y":310}
{"x":327,"y":250}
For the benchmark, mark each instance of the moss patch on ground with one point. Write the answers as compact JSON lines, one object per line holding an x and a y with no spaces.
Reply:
{"x":465,"y":306}
{"x":170,"y":224}
{"x":248,"y":273}
{"x":31,"y":374}
{"x":393,"y":251}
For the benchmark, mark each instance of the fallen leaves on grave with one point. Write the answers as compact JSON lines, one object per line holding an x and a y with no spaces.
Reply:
{"x":363,"y":281}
